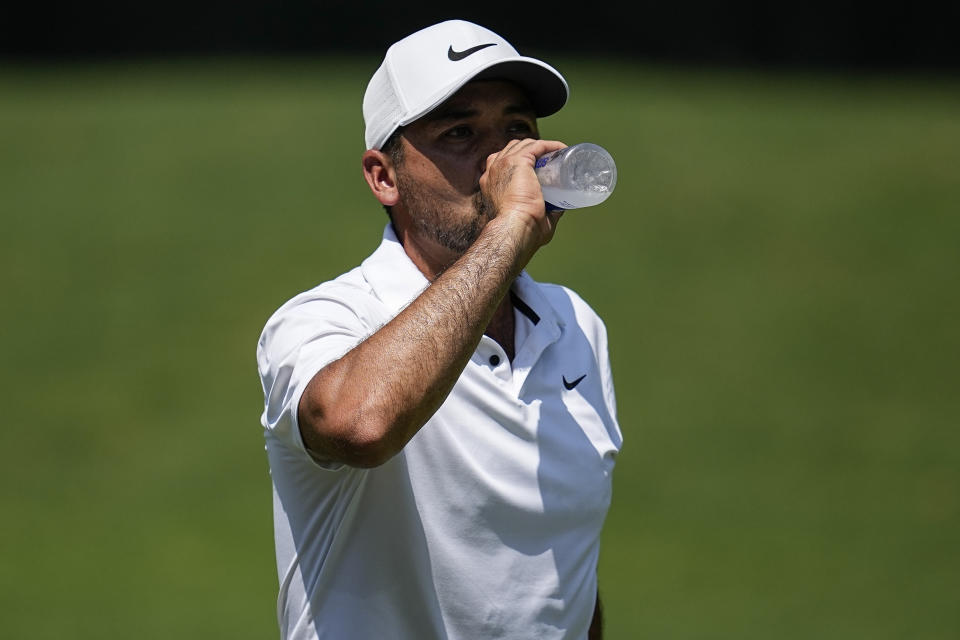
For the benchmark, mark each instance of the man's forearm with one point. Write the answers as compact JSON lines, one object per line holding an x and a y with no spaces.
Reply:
{"x":363,"y":408}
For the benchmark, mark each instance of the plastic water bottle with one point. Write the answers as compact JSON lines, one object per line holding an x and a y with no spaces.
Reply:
{"x":580,"y":175}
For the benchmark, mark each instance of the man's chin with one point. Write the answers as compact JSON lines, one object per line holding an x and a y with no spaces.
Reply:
{"x":454,"y":238}
{"x":458,"y":241}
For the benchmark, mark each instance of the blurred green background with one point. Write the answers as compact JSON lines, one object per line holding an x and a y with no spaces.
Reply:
{"x":777,"y":269}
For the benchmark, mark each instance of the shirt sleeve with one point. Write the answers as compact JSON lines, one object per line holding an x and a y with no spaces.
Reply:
{"x":301,"y":338}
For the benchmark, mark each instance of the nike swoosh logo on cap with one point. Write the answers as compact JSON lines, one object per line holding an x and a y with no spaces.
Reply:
{"x":460,"y":55}
{"x":571,"y":385}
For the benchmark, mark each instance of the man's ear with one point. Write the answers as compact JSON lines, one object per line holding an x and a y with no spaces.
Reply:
{"x":381,"y":177}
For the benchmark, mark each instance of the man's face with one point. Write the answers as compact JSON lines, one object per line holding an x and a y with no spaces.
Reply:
{"x":445,"y":154}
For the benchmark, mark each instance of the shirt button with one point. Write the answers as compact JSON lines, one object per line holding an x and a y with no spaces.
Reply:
{"x":494,"y":360}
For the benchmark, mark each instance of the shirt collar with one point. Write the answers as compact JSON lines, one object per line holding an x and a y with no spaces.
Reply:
{"x":529,"y":292}
{"x":394,"y":278}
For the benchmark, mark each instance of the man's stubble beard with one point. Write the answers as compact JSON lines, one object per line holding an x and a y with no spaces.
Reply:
{"x":439,"y":222}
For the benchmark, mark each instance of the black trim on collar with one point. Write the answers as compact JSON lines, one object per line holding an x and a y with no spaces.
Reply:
{"x":524,"y":308}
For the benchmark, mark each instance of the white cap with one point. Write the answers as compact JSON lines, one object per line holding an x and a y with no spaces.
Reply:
{"x":422,"y":70}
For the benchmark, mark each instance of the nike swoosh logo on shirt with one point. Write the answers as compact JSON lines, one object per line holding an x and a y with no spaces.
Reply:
{"x":571,"y":385}
{"x":460,"y":55}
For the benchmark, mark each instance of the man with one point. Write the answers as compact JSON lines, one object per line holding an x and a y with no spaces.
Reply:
{"x":441,"y":429}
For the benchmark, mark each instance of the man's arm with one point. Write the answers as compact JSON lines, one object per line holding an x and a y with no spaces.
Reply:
{"x":363,"y":408}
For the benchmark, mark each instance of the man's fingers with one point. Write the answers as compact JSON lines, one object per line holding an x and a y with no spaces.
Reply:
{"x":506,"y":150}
{"x":533,"y":146}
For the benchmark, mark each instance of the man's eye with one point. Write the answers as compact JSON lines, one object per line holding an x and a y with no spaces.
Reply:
{"x":521,"y":128}
{"x":458,"y":132}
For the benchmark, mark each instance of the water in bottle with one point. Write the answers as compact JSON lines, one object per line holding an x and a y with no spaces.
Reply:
{"x":580,"y":175}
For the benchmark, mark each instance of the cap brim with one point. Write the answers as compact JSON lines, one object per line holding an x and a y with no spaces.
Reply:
{"x":544,"y":86}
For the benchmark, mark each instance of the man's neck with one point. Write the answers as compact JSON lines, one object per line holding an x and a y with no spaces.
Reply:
{"x":428,"y":256}
{"x":502,"y":327}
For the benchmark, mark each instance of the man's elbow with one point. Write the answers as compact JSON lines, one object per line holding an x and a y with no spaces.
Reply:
{"x":353,"y":439}
{"x":365,"y":447}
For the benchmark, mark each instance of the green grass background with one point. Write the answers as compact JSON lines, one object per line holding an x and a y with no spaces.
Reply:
{"x":778,"y":270}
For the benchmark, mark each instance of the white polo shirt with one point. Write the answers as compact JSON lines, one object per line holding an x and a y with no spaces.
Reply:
{"x":487,"y":524}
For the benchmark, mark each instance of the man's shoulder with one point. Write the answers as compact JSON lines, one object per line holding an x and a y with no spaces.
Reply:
{"x":555,"y":291}
{"x":347,"y":288}
{"x":567,"y":302}
{"x":572,"y":310}
{"x":350,"y":288}
{"x":347,"y":298}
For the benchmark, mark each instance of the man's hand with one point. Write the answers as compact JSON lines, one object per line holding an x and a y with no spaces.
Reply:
{"x":511,"y":190}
